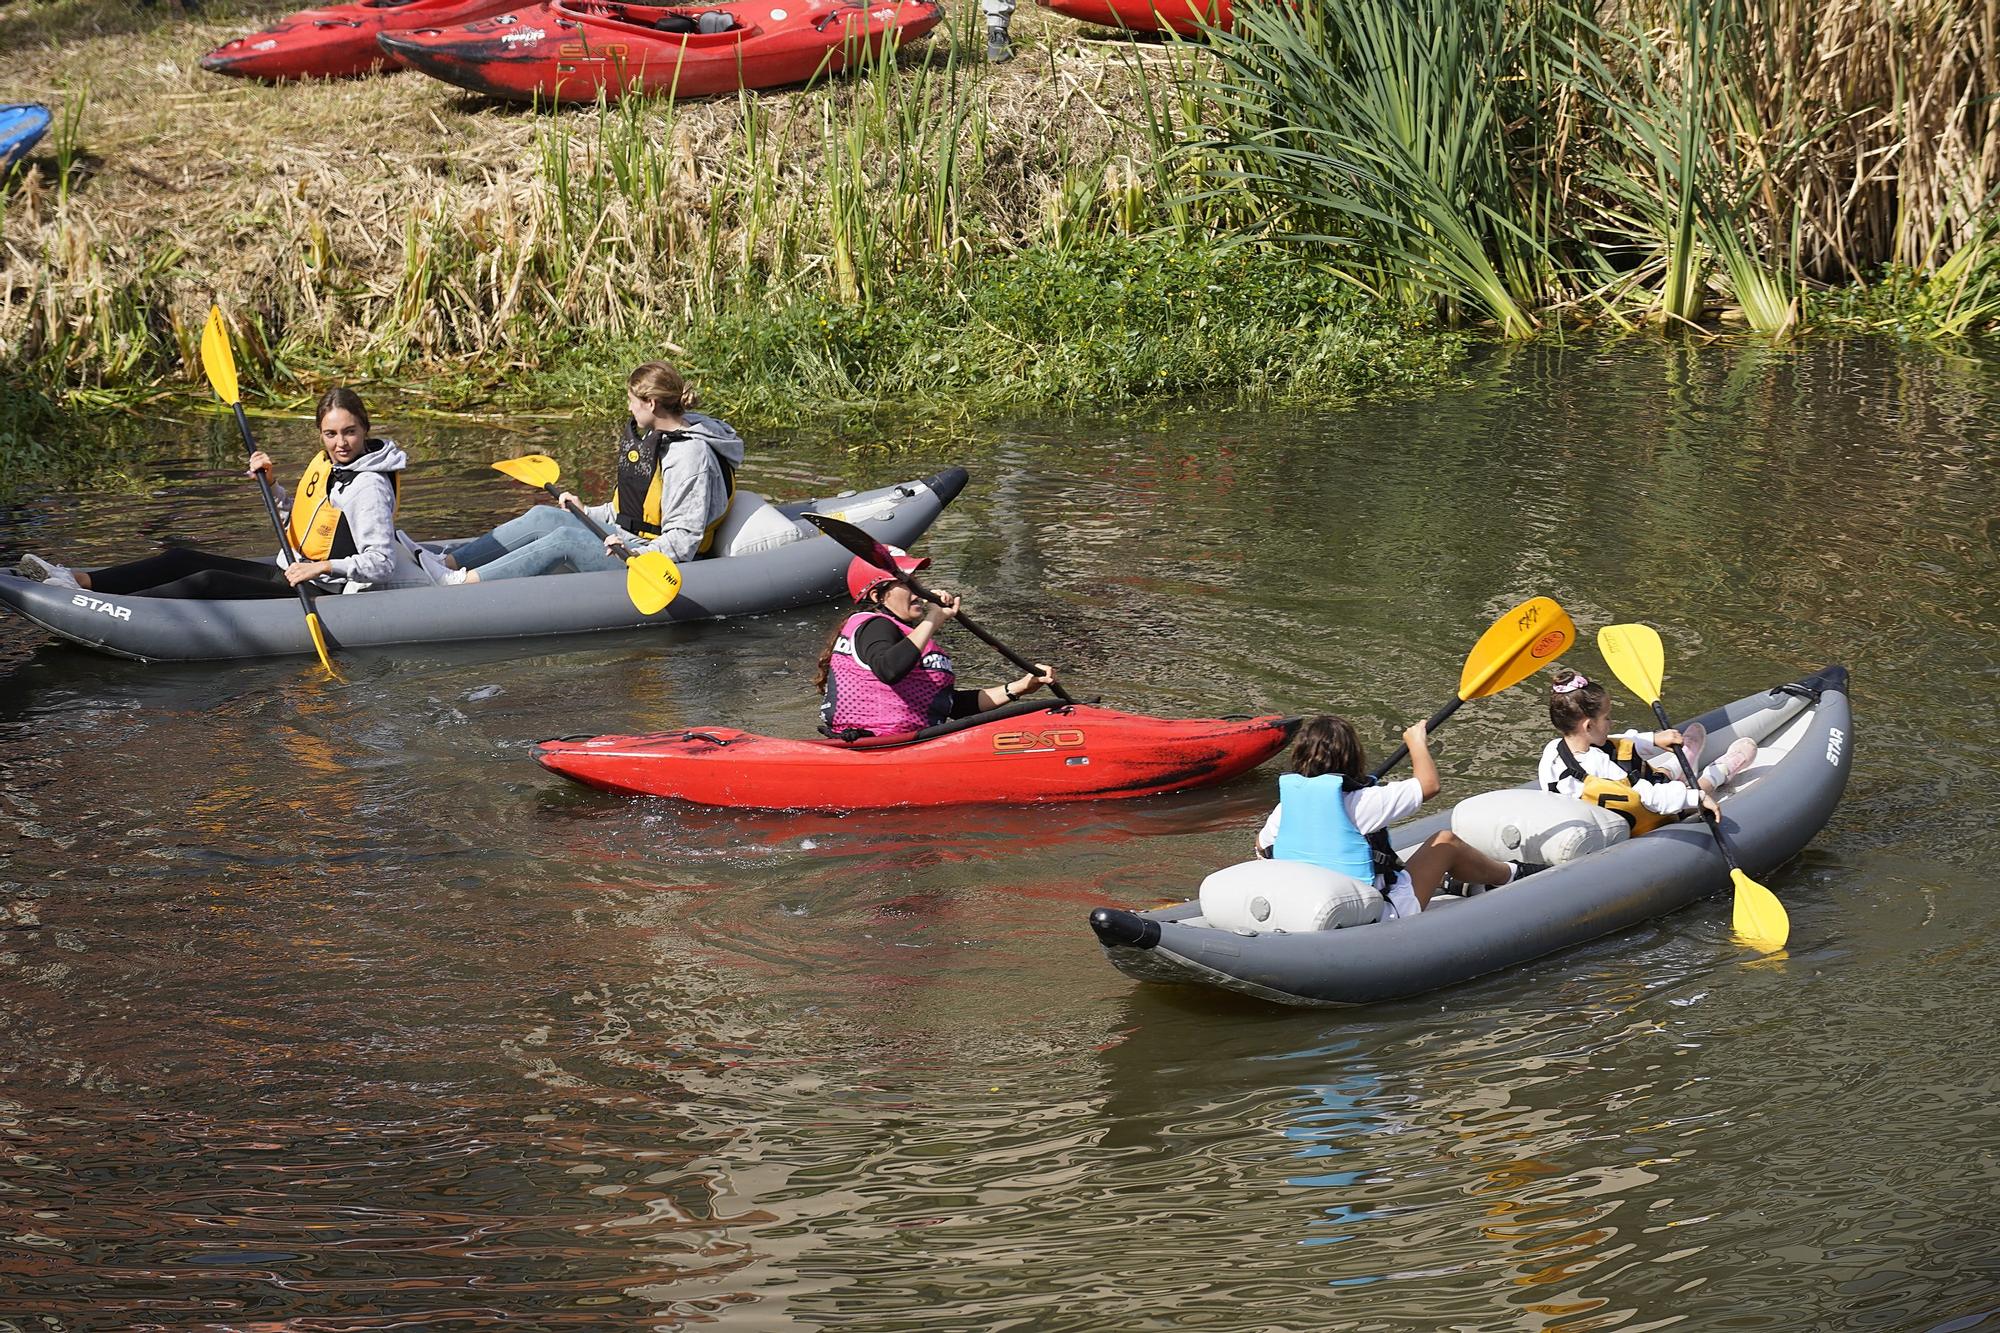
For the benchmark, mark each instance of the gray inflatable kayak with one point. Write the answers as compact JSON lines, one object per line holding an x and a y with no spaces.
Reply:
{"x":1770,"y":812}
{"x":811,"y":569}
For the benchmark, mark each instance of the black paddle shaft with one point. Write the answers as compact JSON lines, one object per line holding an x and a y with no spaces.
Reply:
{"x":1033,"y":669}
{"x":586,"y":520}
{"x":1707,"y":815}
{"x":271,"y":506}
{"x":1437,"y":720}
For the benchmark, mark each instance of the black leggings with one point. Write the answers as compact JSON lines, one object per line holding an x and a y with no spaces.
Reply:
{"x":180,"y":571}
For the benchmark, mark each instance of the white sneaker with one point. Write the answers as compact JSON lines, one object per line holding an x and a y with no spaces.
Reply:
{"x":34,"y":567}
{"x":1739,"y":754}
{"x":1693,"y":736}
{"x":451,"y":578}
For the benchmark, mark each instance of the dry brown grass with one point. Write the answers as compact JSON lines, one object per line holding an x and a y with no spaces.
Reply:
{"x":1907,"y":93}
{"x":381,"y":221}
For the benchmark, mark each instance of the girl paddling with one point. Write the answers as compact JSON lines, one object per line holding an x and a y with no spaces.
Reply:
{"x":676,"y":475}
{"x":1632,"y":774}
{"x":885,"y":672}
{"x":341,"y":522}
{"x":1332,"y":814}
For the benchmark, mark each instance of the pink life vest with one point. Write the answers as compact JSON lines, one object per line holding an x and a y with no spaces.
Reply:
{"x":858,"y":699}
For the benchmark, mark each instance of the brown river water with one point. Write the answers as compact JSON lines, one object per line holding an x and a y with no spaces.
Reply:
{"x":341,"y":1014}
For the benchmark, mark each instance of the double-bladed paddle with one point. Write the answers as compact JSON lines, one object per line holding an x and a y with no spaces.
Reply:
{"x":1634,"y":654}
{"x":651,"y":579}
{"x":878,"y":555}
{"x":1514,"y":647}
{"x":219,"y":361}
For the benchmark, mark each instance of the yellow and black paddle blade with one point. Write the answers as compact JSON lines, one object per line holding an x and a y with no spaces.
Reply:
{"x":651,"y":581}
{"x":216,"y":357}
{"x":1635,"y":656}
{"x":534,"y":469}
{"x":319,"y":645}
{"x":1759,"y":919}
{"x":1518,"y":644}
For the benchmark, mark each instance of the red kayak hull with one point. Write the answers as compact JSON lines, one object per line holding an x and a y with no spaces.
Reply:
{"x":1186,"y":17}
{"x":338,"y":42}
{"x":569,"y":50}
{"x":1061,"y":753}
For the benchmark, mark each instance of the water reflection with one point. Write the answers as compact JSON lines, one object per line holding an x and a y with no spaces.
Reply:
{"x":342,"y":1014}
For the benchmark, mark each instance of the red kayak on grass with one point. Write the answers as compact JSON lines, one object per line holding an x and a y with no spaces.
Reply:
{"x":1022,"y":753}
{"x":338,"y":42}
{"x":569,"y":50}
{"x":1186,"y":17}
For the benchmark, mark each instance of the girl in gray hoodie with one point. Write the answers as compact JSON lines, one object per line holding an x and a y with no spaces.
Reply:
{"x":676,"y":474}
{"x":341,"y":525}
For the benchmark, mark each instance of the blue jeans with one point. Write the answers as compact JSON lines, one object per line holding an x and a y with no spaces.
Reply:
{"x":535,"y":543}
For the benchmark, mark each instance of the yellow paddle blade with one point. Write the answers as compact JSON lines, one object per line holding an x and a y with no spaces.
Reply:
{"x":319,"y":645}
{"x":535,"y":469}
{"x":651,"y":581}
{"x":1759,"y":918}
{"x":216,"y":358}
{"x":1518,"y":644}
{"x":1634,"y":654}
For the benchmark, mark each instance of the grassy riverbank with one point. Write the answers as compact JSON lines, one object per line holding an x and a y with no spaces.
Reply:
{"x":1098,"y":222}
{"x":935,"y":237}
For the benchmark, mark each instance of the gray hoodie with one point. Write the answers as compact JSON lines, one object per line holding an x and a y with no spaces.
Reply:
{"x":693,"y":491}
{"x":367,"y":500}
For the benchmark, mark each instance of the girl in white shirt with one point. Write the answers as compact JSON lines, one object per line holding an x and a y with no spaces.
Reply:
{"x":1329,"y":807}
{"x":1580,"y":711}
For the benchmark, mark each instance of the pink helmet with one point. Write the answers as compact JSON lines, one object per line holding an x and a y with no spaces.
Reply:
{"x":863,"y":576}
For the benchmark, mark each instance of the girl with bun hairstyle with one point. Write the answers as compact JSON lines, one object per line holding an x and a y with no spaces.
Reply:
{"x":676,"y":474}
{"x":1633,"y":774}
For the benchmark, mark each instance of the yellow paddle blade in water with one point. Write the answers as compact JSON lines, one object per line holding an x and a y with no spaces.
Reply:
{"x":1518,"y":644}
{"x":319,"y":645}
{"x":1635,"y":656}
{"x":651,"y":581}
{"x":216,"y":358}
{"x":1759,"y":918}
{"x":534,"y":469}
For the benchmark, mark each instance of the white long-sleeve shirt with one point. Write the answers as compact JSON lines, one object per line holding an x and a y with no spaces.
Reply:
{"x":1663,"y":796}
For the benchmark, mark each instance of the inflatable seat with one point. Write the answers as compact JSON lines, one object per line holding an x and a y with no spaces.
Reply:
{"x":1525,"y":824}
{"x":1286,"y":895}
{"x":754,"y":524}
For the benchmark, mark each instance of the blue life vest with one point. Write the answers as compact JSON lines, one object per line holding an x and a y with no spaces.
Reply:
{"x":1314,"y":826}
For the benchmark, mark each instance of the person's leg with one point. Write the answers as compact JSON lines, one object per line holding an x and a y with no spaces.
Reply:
{"x":572,"y":545}
{"x":1733,"y":761}
{"x":999,"y":13}
{"x":1445,"y":854}
{"x":512,"y":536}
{"x":1694,"y":737}
{"x":150,"y":575}
{"x":217,"y":584}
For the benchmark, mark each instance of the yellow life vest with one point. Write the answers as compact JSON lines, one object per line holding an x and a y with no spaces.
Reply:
{"x":1620,"y":798}
{"x":317,"y":528}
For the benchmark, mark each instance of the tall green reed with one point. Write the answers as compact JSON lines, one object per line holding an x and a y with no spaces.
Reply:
{"x":1388,"y":130}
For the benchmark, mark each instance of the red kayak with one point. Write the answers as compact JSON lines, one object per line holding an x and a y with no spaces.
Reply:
{"x":567,"y":50}
{"x":339,"y":41}
{"x":1186,"y":17}
{"x":1025,"y":753}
